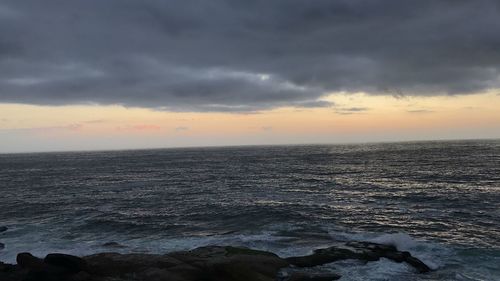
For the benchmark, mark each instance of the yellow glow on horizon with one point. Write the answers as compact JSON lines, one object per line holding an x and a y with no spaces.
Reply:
{"x":354,"y":117}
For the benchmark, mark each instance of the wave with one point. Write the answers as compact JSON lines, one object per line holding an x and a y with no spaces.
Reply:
{"x":450,"y":262}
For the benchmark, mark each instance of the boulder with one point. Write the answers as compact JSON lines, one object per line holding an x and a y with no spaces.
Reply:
{"x":81,"y":276}
{"x":35,"y":269}
{"x":115,"y":264}
{"x":28,"y":261}
{"x":365,"y":251}
{"x":176,"y":273}
{"x":206,"y":263}
{"x":233,"y":264}
{"x":11,"y":272}
{"x":71,"y":264}
{"x":43,"y":275}
{"x":5,"y":268}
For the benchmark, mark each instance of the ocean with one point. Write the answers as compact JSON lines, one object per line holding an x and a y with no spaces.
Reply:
{"x":439,"y":200}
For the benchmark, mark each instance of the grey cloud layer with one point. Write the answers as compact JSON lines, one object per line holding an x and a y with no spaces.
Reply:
{"x":230,"y":55}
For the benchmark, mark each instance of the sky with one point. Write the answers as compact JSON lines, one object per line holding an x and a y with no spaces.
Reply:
{"x":122,"y":74}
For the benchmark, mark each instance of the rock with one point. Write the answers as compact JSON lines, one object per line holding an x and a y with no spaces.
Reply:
{"x":110,"y":264}
{"x":417,"y":264}
{"x":4,"y":267}
{"x":143,"y":266}
{"x":210,"y":263}
{"x":71,"y":264}
{"x":35,"y":269}
{"x":11,"y":272}
{"x":233,"y":264}
{"x":177,"y":273}
{"x":28,"y":261}
{"x":319,"y":277}
{"x":242,"y":264}
{"x":42,"y":275}
{"x":113,"y":245}
{"x":81,"y":276}
{"x":2,"y":245}
{"x":3,"y":228}
{"x":154,"y":274}
{"x":365,"y":251}
{"x":213,"y":263}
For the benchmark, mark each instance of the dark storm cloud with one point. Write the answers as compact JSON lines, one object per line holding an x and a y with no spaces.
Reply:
{"x":229,"y":55}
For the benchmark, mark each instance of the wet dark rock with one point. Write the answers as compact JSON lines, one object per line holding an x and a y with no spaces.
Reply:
{"x":43,"y":275}
{"x":365,"y":251}
{"x":71,"y":264}
{"x":3,"y":228}
{"x":238,"y":264}
{"x":35,"y":269}
{"x":114,"y":264}
{"x":212,"y":263}
{"x":6,"y":268}
{"x":418,"y":264}
{"x":11,"y":272}
{"x":28,"y":261}
{"x":205,"y":263}
{"x":81,"y":276}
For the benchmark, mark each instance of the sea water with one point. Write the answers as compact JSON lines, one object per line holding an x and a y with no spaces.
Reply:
{"x":438,"y":200}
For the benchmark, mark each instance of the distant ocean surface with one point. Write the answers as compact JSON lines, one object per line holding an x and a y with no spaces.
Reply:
{"x":439,"y":200}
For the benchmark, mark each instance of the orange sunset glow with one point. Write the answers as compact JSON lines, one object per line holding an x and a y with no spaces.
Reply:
{"x":351,"y":118}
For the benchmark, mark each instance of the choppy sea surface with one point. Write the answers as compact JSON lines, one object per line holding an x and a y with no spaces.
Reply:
{"x":439,"y":200}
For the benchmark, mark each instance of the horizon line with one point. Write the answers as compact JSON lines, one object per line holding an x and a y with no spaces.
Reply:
{"x":253,"y":145}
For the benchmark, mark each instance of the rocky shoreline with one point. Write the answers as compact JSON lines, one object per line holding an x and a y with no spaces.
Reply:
{"x":211,"y":263}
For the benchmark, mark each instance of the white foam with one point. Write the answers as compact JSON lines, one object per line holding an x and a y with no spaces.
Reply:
{"x":383,"y":269}
{"x":422,"y":250}
{"x":402,"y":241}
{"x":265,"y":240}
